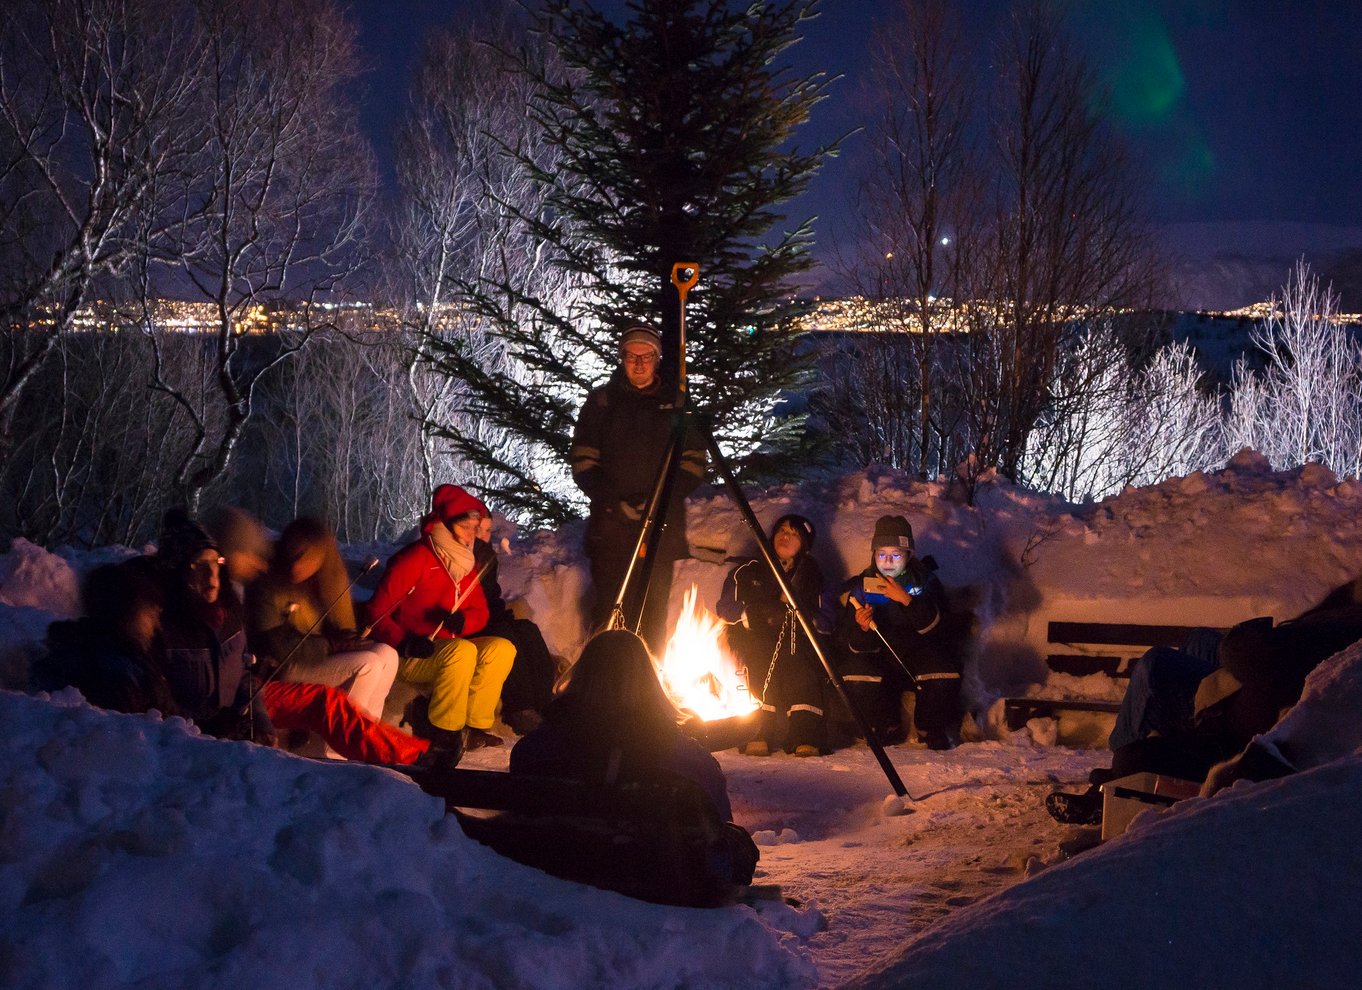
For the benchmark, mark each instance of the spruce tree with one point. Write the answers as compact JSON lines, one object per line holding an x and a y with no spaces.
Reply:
{"x":667,"y":137}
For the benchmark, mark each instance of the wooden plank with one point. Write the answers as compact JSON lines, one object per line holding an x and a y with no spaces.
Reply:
{"x":1086,"y":664}
{"x":1019,"y":711}
{"x":1118,"y":634}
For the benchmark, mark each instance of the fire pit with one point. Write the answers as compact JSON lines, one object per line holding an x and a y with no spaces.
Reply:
{"x":704,"y":679}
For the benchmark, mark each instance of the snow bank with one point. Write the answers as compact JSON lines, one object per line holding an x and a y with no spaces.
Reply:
{"x":1254,"y":888}
{"x":135,"y":853}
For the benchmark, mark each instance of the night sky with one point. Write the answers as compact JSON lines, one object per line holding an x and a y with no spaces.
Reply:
{"x":1242,"y":110}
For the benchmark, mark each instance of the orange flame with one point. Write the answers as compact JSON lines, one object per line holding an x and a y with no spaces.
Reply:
{"x":698,"y":672}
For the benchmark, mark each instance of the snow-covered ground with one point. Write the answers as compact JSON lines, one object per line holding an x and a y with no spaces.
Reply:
{"x":135,"y":853}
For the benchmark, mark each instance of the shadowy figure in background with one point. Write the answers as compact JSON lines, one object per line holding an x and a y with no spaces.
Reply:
{"x":613,"y":725}
{"x":112,"y":654}
{"x":429,"y":604}
{"x":1247,"y":679}
{"x":529,"y":686}
{"x":300,"y":615}
{"x":623,"y":432}
{"x":783,"y":671}
{"x":896,"y":634}
{"x":246,"y":547}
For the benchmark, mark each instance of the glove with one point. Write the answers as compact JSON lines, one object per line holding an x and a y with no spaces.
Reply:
{"x":632,"y":508}
{"x":450,"y":622}
{"x":416,"y":647}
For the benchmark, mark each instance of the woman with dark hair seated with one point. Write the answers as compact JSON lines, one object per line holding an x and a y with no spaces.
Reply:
{"x":613,"y":722}
{"x":614,"y":725}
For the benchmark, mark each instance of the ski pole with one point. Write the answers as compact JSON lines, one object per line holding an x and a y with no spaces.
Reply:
{"x":893,"y":653}
{"x":390,"y":609}
{"x":459,"y":600}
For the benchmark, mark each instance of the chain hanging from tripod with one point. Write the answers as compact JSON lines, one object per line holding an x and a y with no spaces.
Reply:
{"x":787,"y":624}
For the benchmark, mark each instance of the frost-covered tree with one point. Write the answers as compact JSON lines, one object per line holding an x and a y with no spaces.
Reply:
{"x":1306,"y":404}
{"x":100,"y":103}
{"x":1111,"y":424}
{"x":272,"y":209}
{"x":1009,"y":217}
{"x":467,"y":160}
{"x":916,"y":208}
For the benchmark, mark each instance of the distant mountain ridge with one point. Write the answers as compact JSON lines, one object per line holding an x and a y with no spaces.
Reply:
{"x":1225,"y":265}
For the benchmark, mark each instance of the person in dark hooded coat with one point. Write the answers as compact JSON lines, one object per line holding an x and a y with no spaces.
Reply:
{"x":203,"y":637}
{"x":894,"y":635}
{"x":784,"y":673}
{"x":112,"y":654}
{"x":623,"y":432}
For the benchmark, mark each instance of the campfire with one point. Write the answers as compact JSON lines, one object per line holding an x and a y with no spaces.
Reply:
{"x":698,"y":672}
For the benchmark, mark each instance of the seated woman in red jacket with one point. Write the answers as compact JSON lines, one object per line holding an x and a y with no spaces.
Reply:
{"x":430,"y":606}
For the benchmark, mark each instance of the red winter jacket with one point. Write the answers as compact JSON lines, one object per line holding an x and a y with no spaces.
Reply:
{"x":395,"y":614}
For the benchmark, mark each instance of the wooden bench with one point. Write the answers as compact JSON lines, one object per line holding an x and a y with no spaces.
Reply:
{"x":1135,"y":639}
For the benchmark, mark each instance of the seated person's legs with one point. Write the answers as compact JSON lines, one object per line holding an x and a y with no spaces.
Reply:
{"x":365,"y":675}
{"x":529,"y":686}
{"x":346,"y":730}
{"x":495,"y":656}
{"x":1158,"y":700}
{"x":449,"y":672}
{"x":938,"y":712}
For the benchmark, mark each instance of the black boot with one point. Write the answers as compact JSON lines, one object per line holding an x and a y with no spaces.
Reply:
{"x":1076,"y":809}
{"x":446,"y":749}
{"x":416,"y":716}
{"x":481,"y":738}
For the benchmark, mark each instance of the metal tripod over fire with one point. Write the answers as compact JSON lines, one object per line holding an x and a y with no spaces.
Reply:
{"x":684,"y":275}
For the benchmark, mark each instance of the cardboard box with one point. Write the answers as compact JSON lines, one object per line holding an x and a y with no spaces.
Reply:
{"x":1126,"y":797}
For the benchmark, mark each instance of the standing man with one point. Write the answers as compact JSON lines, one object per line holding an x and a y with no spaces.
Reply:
{"x":623,"y":433}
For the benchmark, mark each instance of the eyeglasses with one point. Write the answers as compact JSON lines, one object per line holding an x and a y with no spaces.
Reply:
{"x":647,"y":357}
{"x":200,"y":567}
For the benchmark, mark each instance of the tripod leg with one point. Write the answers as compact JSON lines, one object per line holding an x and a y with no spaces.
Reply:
{"x":650,"y":530}
{"x":768,"y":552}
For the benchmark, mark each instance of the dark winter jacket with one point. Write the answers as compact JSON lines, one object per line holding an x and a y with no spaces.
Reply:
{"x":485,"y":562}
{"x":416,"y":595}
{"x":110,"y":671}
{"x":622,"y":435}
{"x":752,"y":603}
{"x":206,"y":664}
{"x":1263,"y":670}
{"x":570,"y":744}
{"x":917,"y":632}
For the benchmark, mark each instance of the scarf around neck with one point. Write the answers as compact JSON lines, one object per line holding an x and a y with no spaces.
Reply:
{"x":456,"y":558}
